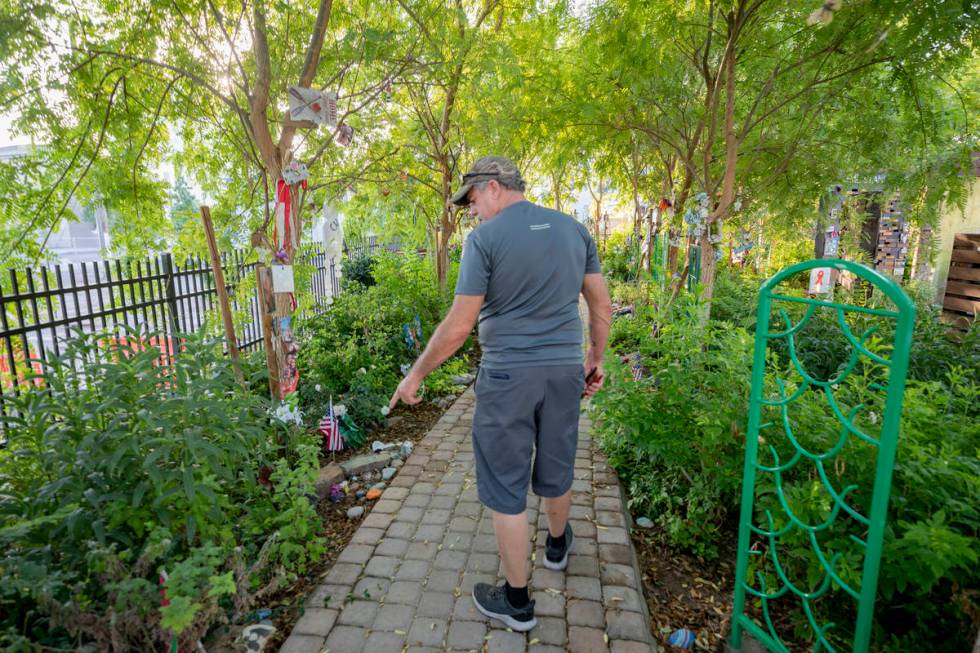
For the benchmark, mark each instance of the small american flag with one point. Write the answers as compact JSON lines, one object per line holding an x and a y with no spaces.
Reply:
{"x":330,"y":429}
{"x":637,"y":367}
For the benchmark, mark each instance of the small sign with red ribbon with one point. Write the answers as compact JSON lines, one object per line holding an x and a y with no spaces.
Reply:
{"x":819,"y":281}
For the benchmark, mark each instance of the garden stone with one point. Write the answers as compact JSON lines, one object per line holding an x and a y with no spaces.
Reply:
{"x":360,"y":494}
{"x":644,"y":522}
{"x":361,"y":464}
{"x":257,"y":636}
{"x":406,"y":449}
{"x":355,"y":512}
{"x":388,"y":472}
{"x":329,"y":474}
{"x":379,"y":486}
{"x":396,"y":463}
{"x":462,"y":379}
{"x":394,"y":420}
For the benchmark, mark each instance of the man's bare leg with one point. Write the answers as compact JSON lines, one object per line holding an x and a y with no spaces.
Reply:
{"x":557,"y":509}
{"x":513,"y":543}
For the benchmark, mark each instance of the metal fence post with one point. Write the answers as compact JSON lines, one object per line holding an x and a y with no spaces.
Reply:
{"x":167,"y":262}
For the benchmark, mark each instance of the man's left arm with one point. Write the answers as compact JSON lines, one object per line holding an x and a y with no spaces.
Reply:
{"x":448,"y":337}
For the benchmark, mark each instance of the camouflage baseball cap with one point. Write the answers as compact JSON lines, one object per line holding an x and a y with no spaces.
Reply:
{"x":489,"y":167}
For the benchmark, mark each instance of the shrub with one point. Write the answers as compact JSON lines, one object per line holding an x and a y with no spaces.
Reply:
{"x":121,"y":467}
{"x":356,"y":350}
{"x":677,"y":439}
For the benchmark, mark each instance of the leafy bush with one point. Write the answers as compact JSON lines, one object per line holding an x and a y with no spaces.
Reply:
{"x":677,"y":439}
{"x":355,"y":351}
{"x":356,"y":270}
{"x":120,"y":468}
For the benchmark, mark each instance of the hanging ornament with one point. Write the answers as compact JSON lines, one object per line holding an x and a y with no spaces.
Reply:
{"x":715,"y":238}
{"x":345,"y":135}
{"x":295,"y":172}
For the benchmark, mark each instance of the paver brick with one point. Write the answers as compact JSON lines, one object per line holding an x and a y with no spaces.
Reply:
{"x":404,"y":591}
{"x":585,"y":613}
{"x":583,"y":587}
{"x":427,"y":631}
{"x":626,"y":625}
{"x":382,"y":566}
{"x":358,"y":613}
{"x":392,"y":547}
{"x":625,"y":646}
{"x":371,"y":589}
{"x":613,"y":574}
{"x":316,"y":621}
{"x":586,"y":640}
{"x":302,"y":644}
{"x":622,"y":598}
{"x":394,"y":616}
{"x":613,"y":535}
{"x":435,"y":604}
{"x":548,"y":604}
{"x":502,"y":641}
{"x":466,"y":634}
{"x":551,"y":630}
{"x":385,"y":642}
{"x":413,"y":570}
{"x":349,"y":639}
{"x":343,"y":574}
{"x":379,"y":520}
{"x":620,"y":554}
{"x":356,"y":553}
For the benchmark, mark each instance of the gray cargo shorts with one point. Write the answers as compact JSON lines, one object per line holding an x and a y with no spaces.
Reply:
{"x":520,"y":410}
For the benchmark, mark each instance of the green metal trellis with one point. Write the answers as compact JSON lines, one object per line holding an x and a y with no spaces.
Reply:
{"x":871,"y":526}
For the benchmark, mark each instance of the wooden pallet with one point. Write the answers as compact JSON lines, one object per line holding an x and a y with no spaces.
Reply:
{"x":961,"y":303}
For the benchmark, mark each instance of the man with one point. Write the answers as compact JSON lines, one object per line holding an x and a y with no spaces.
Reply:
{"x":522,"y":271}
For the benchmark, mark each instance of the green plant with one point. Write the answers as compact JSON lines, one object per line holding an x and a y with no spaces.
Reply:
{"x":676,"y":437}
{"x":117,"y":466}
{"x":355,"y":352}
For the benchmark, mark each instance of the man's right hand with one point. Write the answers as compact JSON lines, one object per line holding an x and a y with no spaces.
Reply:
{"x":594,"y":383}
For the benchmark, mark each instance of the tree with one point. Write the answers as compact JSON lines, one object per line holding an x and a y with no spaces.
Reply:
{"x":106,"y":85}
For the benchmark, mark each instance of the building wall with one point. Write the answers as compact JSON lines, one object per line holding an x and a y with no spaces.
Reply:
{"x":954,"y":222}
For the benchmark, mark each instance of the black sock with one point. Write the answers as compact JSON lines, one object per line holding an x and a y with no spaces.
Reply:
{"x":557,"y":541}
{"x":517,"y":596}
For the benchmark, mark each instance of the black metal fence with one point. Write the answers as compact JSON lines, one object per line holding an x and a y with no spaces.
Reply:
{"x":41,"y":307}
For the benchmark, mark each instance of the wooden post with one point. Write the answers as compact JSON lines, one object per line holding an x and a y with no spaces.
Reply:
{"x":267,"y":308}
{"x":219,"y":282}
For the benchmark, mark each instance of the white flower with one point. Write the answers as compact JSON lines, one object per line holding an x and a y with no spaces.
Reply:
{"x":362,"y":371}
{"x":385,"y":410}
{"x":339,"y":410}
{"x":873,"y":417}
{"x":318,"y":388}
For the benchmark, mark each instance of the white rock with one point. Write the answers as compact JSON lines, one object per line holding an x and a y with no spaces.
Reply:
{"x":355,"y":512}
{"x":387,"y":473}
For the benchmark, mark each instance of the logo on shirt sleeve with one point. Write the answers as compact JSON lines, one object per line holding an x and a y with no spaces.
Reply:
{"x":539,"y":227}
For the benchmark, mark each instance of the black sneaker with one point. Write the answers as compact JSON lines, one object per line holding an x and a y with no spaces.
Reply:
{"x":492,"y":601}
{"x":556,"y":557}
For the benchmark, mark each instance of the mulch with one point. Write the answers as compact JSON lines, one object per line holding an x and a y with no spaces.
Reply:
{"x":287,"y":604}
{"x":685,"y":590}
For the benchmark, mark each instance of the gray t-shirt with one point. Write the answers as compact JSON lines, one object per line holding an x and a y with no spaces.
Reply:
{"x":529,"y":262}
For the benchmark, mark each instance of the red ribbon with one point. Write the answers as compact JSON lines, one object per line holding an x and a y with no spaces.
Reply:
{"x":284,"y":196}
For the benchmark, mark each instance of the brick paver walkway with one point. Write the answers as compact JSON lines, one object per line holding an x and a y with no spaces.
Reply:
{"x":403,"y":583}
